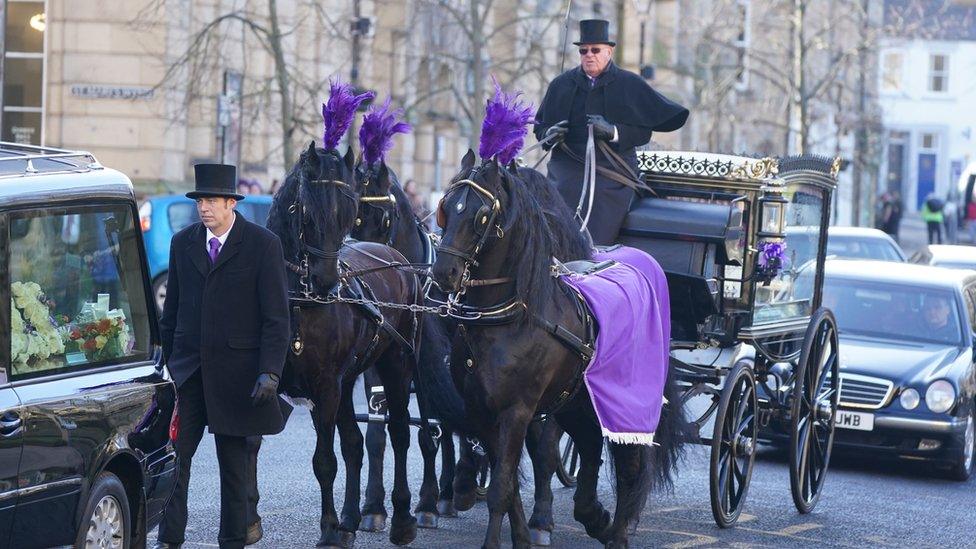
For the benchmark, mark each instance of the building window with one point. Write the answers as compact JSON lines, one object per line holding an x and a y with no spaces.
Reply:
{"x":77,"y":294}
{"x":741,"y":43}
{"x":23,"y":71}
{"x":939,"y":73}
{"x":929,"y":141}
{"x":891,"y":71}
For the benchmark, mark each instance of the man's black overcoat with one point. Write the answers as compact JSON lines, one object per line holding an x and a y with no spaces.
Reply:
{"x":627,"y":102}
{"x":230,"y":321}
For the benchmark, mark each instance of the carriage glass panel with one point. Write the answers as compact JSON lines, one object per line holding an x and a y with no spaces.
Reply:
{"x":786,"y":297}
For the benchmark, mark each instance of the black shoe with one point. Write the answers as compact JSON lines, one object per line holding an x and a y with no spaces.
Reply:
{"x":254,"y":533}
{"x":164,"y":545}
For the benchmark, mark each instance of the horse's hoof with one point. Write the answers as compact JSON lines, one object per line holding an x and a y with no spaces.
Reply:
{"x":373,"y":523}
{"x":445,"y":508}
{"x":540,"y":538}
{"x":464,"y":501}
{"x":426,"y":519}
{"x":403,"y":533}
{"x":632,"y":528}
{"x":348,"y":539}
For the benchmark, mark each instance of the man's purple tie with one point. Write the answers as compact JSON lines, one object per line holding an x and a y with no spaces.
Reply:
{"x":214,"y":249}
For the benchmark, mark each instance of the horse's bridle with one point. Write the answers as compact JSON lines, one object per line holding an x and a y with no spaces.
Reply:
{"x":485,"y":225}
{"x":306,"y":249}
{"x":391,"y":214}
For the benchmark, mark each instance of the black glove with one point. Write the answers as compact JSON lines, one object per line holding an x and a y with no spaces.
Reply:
{"x":265,"y":390}
{"x":602,"y":129}
{"x":559,"y":130}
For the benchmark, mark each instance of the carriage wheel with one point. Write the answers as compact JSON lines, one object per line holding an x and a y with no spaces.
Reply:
{"x":569,"y":463}
{"x":733,"y":445}
{"x":814,"y":408}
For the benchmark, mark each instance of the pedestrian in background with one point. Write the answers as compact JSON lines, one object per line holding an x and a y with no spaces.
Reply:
{"x":971,"y":220}
{"x":417,"y":202}
{"x":933,"y":218}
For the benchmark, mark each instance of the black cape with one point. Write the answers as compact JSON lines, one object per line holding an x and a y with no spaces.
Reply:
{"x":627,"y":102}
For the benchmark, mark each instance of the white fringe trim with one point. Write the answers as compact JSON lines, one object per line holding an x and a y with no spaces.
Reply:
{"x":297,"y":402}
{"x":645,"y":439}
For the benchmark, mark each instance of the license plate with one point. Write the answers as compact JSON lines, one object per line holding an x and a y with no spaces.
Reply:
{"x":858,"y":421}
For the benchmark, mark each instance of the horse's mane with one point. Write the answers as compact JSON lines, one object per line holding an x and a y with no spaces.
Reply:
{"x":570,"y":244}
{"x":280,"y":221}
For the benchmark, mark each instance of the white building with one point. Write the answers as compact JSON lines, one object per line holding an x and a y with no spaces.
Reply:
{"x":927,"y":93}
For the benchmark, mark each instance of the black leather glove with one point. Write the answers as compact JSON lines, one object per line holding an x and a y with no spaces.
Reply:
{"x":559,"y":130}
{"x":265,"y":390}
{"x":602,"y":129}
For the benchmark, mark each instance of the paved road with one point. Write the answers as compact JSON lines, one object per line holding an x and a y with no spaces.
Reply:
{"x":866,"y":504}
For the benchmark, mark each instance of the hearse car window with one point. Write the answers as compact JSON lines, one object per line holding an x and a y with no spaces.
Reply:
{"x":77,"y":291}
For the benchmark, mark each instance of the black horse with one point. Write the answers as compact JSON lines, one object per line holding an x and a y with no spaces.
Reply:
{"x":385,"y":216}
{"x":495,"y":230}
{"x":334,"y":342}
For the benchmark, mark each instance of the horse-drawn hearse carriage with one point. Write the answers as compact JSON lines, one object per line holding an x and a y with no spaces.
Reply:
{"x":751,"y":345}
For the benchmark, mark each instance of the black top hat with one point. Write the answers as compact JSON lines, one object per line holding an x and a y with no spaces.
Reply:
{"x":595,"y":31}
{"x":215,"y":180}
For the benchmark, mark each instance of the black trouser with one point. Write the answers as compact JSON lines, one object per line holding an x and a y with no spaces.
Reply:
{"x":935,"y":232}
{"x":253,"y":447}
{"x":234,"y":460}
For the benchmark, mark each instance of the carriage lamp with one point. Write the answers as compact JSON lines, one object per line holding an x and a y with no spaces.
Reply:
{"x":772,"y":211}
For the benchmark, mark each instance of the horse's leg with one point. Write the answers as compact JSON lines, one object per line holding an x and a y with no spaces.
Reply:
{"x":395,"y":373}
{"x":445,"y":505}
{"x":466,"y":477}
{"x":324,"y":463}
{"x":351,"y":442}
{"x":541,"y":441}
{"x":426,"y":510}
{"x":374,"y":507}
{"x":588,"y":439}
{"x":509,"y":432}
{"x":630,"y":466}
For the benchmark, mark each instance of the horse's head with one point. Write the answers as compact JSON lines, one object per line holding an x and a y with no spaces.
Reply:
{"x":474,"y":215}
{"x":326,"y":202}
{"x":378,"y":213}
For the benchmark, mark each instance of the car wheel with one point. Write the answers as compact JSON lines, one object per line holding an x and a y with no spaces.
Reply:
{"x":159,"y":291}
{"x":962,"y":469}
{"x":105,"y":523}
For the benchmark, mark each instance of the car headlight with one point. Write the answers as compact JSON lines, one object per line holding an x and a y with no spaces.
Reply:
{"x":910,"y":399}
{"x":940,"y":396}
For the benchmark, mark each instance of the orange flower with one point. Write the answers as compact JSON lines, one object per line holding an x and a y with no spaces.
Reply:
{"x":75,"y":334}
{"x":104,"y":325}
{"x":89,"y":345}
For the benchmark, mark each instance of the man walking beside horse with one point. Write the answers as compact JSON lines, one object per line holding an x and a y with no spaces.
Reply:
{"x":623,"y":111}
{"x":225,"y":331}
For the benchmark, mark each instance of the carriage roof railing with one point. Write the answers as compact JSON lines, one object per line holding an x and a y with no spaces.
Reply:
{"x":19,"y":160}
{"x":751,"y":172}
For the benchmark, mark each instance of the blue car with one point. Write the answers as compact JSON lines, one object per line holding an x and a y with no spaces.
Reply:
{"x":162,"y":216}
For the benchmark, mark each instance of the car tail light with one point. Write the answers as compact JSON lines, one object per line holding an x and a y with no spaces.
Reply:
{"x":145,"y":216}
{"x":174,"y":424}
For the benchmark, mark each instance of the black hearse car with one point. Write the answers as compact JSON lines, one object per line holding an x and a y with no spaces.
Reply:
{"x":907,"y":368}
{"x":86,"y":457}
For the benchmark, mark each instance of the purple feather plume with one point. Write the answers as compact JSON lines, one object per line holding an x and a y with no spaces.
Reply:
{"x":505,"y":126}
{"x":338,"y":113}
{"x":376,"y":134}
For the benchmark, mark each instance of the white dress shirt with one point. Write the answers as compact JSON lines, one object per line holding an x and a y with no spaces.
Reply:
{"x":222,"y":238}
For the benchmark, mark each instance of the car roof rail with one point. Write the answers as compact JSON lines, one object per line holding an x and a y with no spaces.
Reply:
{"x":17,"y":159}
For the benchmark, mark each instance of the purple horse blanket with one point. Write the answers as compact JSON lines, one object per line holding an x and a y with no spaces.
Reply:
{"x":629,"y":368}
